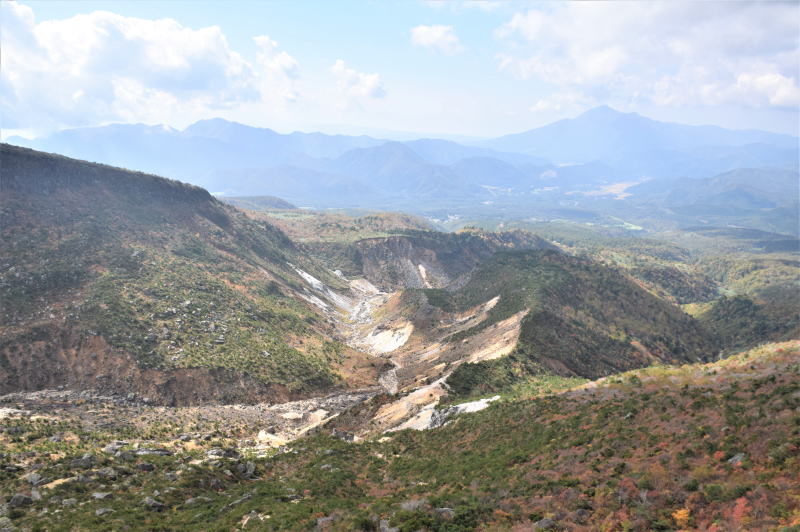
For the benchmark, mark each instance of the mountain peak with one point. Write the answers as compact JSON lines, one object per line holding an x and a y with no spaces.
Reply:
{"x":220,"y":128}
{"x":604,"y":112}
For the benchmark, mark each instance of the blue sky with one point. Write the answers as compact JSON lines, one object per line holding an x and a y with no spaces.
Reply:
{"x":429,"y":68}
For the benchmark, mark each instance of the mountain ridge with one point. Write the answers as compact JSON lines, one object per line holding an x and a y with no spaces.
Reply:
{"x":131,"y":283}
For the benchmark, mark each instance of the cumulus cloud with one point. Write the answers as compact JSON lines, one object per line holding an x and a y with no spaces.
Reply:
{"x":437,"y":37}
{"x":278,"y":71}
{"x":356,"y":87}
{"x":102,"y":66}
{"x":667,"y":53}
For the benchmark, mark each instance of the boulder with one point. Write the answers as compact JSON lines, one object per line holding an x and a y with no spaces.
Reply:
{"x":18,"y":500}
{"x":153,"y":504}
{"x":413,"y":504}
{"x":144,"y":451}
{"x":544,"y":524}
{"x":87,"y":461}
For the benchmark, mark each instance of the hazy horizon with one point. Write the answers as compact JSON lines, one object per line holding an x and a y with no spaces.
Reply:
{"x":398,"y":70}
{"x":378,"y":133}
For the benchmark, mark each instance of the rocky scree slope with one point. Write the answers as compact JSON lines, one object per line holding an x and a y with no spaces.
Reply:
{"x":120,"y":281}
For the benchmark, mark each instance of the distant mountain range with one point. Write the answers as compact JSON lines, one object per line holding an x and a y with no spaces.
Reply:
{"x":604,"y":134}
{"x":572,"y":161}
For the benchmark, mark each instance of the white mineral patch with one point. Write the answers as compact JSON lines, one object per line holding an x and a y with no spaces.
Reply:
{"x":475,"y":406}
{"x":390,"y":339}
{"x":337,"y":299}
{"x":424,"y":274}
{"x":314,"y":300}
{"x":315,"y":283}
{"x":364,"y":286}
{"x":430,"y":418}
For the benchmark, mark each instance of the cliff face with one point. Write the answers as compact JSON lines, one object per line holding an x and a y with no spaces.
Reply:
{"x":435,"y":260}
{"x":122,"y":281}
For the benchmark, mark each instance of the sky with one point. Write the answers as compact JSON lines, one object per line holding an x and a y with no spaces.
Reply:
{"x":416,"y":68}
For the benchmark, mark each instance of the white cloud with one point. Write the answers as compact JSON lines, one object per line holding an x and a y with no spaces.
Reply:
{"x":101,"y":67}
{"x":562,"y":101}
{"x":667,"y":53}
{"x":438,"y":37}
{"x":355,"y":86}
{"x":454,"y":5}
{"x":780,"y":90}
{"x":278,"y":69}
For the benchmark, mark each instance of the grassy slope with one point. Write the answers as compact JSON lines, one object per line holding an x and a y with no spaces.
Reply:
{"x":159,"y":269}
{"x":762,"y":301}
{"x":700,"y":447}
{"x":585,"y":319}
{"x":703,"y":269}
{"x":658,"y":265}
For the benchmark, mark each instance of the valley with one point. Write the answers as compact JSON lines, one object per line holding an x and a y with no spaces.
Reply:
{"x":399,"y":266}
{"x":167,"y":357}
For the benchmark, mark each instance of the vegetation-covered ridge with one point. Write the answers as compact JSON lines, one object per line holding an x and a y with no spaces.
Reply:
{"x":583,"y":318}
{"x":743,"y":285}
{"x":114,"y":279}
{"x":697,"y":447}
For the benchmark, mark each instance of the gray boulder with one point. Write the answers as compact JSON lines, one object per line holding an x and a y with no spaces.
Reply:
{"x":18,"y":500}
{"x":153,"y":504}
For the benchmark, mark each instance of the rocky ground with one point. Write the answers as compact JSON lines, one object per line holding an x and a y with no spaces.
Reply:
{"x":698,"y":447}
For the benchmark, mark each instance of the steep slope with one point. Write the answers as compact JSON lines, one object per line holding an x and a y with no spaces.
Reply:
{"x":699,"y":447}
{"x":505,"y":307}
{"x":126,"y":282}
{"x":582,"y":319}
{"x":434,"y":260}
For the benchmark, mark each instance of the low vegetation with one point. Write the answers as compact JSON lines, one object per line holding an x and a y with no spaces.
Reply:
{"x":705,"y":447}
{"x":161,"y":271}
{"x":583,"y":319}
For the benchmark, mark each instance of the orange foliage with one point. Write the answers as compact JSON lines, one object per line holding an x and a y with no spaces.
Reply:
{"x":741,"y":510}
{"x":681,"y":517}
